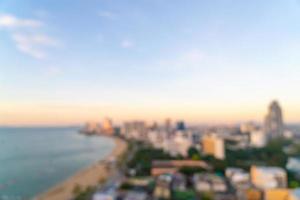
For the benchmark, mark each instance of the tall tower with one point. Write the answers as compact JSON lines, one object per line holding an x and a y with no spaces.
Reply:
{"x":274,"y":122}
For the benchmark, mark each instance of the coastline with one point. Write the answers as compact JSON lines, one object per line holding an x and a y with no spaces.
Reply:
{"x":90,"y":176}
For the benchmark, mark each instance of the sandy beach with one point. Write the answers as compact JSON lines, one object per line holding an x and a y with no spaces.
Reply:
{"x":90,"y":176}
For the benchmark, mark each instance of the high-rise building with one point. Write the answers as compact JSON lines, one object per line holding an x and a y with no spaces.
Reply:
{"x":91,"y":128}
{"x":107,"y":126}
{"x":168,"y":125}
{"x":274,"y":126}
{"x":180,"y":126}
{"x":213,"y":145}
{"x":135,"y":130}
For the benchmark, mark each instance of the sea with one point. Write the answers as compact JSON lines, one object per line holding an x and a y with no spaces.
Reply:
{"x":33,"y":160}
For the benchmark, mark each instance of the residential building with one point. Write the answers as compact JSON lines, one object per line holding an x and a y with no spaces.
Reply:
{"x":133,"y":195}
{"x":237,"y":176}
{"x":179,"y":143}
{"x":160,"y":167}
{"x":213,"y":145}
{"x":253,"y":194}
{"x":257,"y":138}
{"x":205,"y":182}
{"x":178,"y":182}
{"x":162,"y":189}
{"x":268,"y":177}
{"x":135,"y":130}
{"x":103,"y":196}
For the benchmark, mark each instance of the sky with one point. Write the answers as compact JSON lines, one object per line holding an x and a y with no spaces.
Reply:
{"x":216,"y":61}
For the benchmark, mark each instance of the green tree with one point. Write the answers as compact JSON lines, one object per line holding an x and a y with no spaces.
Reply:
{"x":192,"y":151}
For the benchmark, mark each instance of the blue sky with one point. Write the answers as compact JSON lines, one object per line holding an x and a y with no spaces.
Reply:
{"x":204,"y":61}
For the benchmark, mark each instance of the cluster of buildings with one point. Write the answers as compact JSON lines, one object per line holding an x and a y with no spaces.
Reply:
{"x":259,"y":183}
{"x":95,"y":128}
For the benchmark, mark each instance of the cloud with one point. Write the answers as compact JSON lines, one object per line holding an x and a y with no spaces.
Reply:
{"x":26,"y":35}
{"x":10,"y":21}
{"x":34,"y":45}
{"x":126,"y":44}
{"x":108,"y":15}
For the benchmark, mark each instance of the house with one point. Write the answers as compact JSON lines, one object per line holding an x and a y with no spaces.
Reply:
{"x":253,"y":194}
{"x":160,"y":167}
{"x":237,"y":176}
{"x":178,"y":182}
{"x":209,"y":182}
{"x":132,"y":195}
{"x":103,"y":196}
{"x":162,"y":189}
{"x":268,"y":177}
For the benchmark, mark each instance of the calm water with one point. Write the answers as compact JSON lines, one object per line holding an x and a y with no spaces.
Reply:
{"x":34,"y":159}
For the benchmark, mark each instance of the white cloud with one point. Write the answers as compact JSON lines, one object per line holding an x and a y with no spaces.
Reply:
{"x":108,"y":15}
{"x":26,"y":35}
{"x":127,"y":44}
{"x":34,"y":45}
{"x":10,"y":21}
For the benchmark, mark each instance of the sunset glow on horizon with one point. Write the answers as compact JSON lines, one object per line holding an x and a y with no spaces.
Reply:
{"x":202,"y":61}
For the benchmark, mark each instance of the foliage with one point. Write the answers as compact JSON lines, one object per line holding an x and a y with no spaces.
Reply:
{"x":142,"y":159}
{"x":85,"y":194}
{"x":77,"y":189}
{"x":293,"y":180}
{"x":192,"y":152}
{"x":184,"y":195}
{"x":271,"y":155}
{"x":206,"y":196}
{"x":126,"y":186}
{"x":189,"y":171}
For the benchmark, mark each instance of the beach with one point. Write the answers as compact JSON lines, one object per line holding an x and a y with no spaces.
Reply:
{"x":90,"y":176}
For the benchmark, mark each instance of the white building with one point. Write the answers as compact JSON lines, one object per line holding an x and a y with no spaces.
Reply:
{"x":157,"y":138}
{"x":178,"y":144}
{"x":209,"y":182}
{"x":103,"y":196}
{"x":135,"y":130}
{"x":268,"y":177}
{"x":257,"y":138}
{"x":237,"y":176}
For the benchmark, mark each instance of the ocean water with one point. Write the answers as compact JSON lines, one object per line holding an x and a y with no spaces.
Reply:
{"x":34,"y":159}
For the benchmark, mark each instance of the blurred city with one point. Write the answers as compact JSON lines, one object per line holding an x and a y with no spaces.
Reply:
{"x":149,"y":100}
{"x":173,"y":160}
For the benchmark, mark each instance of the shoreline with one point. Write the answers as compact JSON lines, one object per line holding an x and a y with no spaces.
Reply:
{"x":89,"y":176}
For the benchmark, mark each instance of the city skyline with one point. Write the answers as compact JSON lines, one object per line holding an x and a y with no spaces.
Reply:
{"x":202,"y":62}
